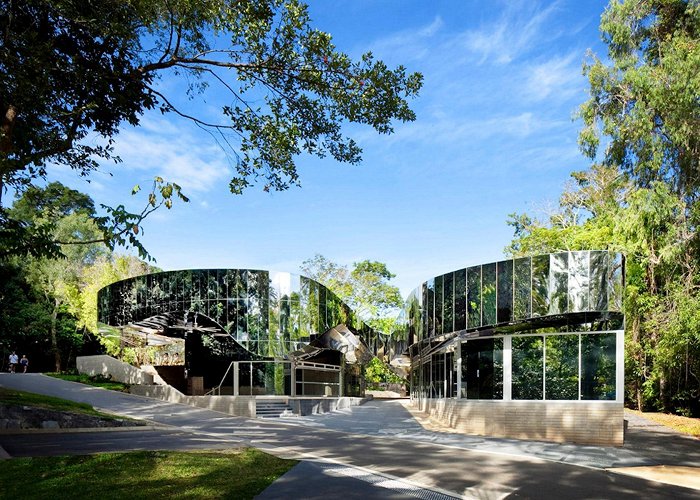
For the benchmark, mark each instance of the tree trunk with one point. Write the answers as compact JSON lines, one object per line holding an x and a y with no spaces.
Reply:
{"x":54,"y":337}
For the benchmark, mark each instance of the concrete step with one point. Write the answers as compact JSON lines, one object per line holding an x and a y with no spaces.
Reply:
{"x":265,"y":409}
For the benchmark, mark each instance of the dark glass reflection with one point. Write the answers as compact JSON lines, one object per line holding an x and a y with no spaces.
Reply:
{"x":522,"y":285}
{"x":528,"y":367}
{"x":559,"y":283}
{"x":474,"y":297}
{"x":505,"y":291}
{"x":598,"y":366}
{"x":448,"y":303}
{"x":488,"y":294}
{"x":460,"y":301}
{"x":561,"y":367}
{"x":482,"y":368}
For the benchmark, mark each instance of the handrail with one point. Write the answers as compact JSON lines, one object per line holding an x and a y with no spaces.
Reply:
{"x":217,"y":389}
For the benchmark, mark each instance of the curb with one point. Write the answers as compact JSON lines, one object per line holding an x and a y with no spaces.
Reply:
{"x":77,"y":430}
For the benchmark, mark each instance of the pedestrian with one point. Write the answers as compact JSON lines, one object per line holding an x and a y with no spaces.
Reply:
{"x":24,"y":362}
{"x":13,"y":362}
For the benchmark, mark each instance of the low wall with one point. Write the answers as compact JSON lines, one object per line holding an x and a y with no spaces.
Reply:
{"x":312,"y":406}
{"x":108,"y":366}
{"x":584,"y":422}
{"x":239,"y":406}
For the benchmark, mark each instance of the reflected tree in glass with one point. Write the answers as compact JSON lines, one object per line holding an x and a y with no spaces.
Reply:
{"x":460,"y":302}
{"x":559,"y":283}
{"x":504,"y":271}
{"x":522,"y":287}
{"x":598,"y":366}
{"x":578,"y":281}
{"x":474,"y":297}
{"x":488,"y":294}
{"x":528,"y":367}
{"x":540,"y":285}
{"x":561,"y":367}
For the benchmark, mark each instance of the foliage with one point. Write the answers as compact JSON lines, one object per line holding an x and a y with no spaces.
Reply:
{"x":642,"y":198}
{"x":377,"y":372}
{"x":241,"y":473}
{"x":74,"y":71}
{"x":95,"y":380}
{"x":644,"y":96}
{"x":49,"y":304}
{"x":21,"y":398}
{"x":365,"y":288}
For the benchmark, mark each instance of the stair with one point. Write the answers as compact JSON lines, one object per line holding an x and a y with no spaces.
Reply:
{"x":273,"y":409}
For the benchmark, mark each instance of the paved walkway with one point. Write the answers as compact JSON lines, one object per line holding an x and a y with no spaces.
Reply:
{"x":381,"y":450}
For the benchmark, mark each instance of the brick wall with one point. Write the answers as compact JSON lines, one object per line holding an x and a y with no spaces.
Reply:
{"x":584,"y":422}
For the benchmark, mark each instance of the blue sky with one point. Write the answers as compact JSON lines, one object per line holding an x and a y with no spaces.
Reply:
{"x":494,"y":135}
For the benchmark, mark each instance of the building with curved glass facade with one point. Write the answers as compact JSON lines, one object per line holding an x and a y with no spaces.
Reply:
{"x":244,"y":315}
{"x":522,"y":347}
{"x":525,"y":348}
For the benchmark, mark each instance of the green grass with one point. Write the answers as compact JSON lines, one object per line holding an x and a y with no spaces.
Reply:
{"x":686,"y":425}
{"x":97,"y":381}
{"x":12,"y":397}
{"x":242,"y":473}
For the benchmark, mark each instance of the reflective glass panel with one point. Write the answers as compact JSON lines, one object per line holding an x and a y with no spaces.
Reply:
{"x":578,"y":281}
{"x":598,"y":281}
{"x":559,"y":282}
{"x":460,"y":302}
{"x":448,"y":303}
{"x":528,"y":367}
{"x":439,"y":319}
{"x":616,"y":282}
{"x":431,"y":307}
{"x":561,"y":367}
{"x":504,"y":270}
{"x":488,"y":294}
{"x":540,"y":285}
{"x":482,"y":368}
{"x":522,"y":287}
{"x":598,"y":366}
{"x":474,"y":297}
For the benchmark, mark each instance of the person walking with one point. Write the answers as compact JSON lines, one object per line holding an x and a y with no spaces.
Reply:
{"x":13,"y":362}
{"x":24,"y":363}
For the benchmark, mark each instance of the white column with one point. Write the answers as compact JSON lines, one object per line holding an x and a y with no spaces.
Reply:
{"x":620,"y":366}
{"x":507,"y":367}
{"x":236,"y":378}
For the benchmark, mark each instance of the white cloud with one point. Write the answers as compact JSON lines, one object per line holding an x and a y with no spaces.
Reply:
{"x":558,"y":78}
{"x":514,"y":33}
{"x":161,"y":148}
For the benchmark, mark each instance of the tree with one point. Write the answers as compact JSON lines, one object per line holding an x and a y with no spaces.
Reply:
{"x":644,"y":97}
{"x":72,"y":70}
{"x":365,"y":288}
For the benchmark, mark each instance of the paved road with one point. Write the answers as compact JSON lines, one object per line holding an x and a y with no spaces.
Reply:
{"x":378,"y":451}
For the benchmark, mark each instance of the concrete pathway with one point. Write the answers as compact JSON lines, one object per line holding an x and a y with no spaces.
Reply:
{"x":380,"y":450}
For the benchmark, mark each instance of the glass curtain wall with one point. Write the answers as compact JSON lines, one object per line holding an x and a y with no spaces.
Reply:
{"x":268,"y":313}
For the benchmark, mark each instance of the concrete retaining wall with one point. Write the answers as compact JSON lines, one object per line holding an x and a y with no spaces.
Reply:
{"x":108,"y":366}
{"x":584,"y":422}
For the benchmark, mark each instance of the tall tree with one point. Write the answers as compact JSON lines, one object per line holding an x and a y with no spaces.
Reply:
{"x":73,"y":69}
{"x":643,"y":103}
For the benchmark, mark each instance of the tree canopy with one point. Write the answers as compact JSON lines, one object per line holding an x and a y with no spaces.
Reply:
{"x":640,"y":195}
{"x":73,"y":69}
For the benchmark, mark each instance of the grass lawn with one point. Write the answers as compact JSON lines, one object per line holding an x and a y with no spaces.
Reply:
{"x":242,"y":473}
{"x":685,"y":425}
{"x":97,"y":381}
{"x":13,"y":397}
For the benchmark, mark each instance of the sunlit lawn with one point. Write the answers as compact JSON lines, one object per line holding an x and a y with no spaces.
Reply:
{"x":242,"y":473}
{"x":685,"y":425}
{"x":97,"y":381}
{"x":13,"y":397}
